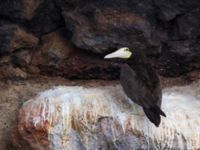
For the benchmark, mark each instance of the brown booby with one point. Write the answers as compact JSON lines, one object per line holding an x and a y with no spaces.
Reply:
{"x":140,"y":82}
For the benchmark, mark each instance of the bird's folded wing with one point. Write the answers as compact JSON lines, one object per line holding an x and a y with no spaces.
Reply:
{"x":135,"y":88}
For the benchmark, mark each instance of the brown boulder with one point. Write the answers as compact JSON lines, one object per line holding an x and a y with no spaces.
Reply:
{"x":58,"y":57}
{"x":54,"y":50}
{"x":12,"y":38}
{"x":22,"y":58}
{"x":100,"y":26}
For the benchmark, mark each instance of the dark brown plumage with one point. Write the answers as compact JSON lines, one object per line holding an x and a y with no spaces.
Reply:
{"x":141,"y":84}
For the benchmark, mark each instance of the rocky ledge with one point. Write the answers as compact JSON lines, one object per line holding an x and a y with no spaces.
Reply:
{"x":101,"y":117}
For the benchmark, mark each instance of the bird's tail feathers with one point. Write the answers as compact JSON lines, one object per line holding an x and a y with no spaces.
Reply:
{"x":153,"y":113}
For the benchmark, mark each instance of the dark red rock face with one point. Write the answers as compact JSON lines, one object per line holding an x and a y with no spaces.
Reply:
{"x":167,"y":31}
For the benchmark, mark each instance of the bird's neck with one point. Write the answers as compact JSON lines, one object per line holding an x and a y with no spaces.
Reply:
{"x":136,"y":59}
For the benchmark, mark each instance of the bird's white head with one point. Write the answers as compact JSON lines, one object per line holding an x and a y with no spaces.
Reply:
{"x":123,"y":53}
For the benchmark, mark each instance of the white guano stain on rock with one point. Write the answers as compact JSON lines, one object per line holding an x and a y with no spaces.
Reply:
{"x":72,"y":107}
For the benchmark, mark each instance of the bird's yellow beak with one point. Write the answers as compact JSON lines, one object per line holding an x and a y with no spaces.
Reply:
{"x":123,"y":53}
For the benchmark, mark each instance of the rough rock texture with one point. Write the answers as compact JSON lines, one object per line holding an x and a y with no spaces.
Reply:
{"x":12,"y":38}
{"x":101,"y":117}
{"x":104,"y":25}
{"x":167,"y":31}
{"x":108,"y":29}
{"x":10,"y":72}
{"x":170,"y":9}
{"x":22,"y":58}
{"x":47,"y":19}
{"x":53,"y":50}
{"x":13,"y":93}
{"x":19,"y":9}
{"x":58,"y":57}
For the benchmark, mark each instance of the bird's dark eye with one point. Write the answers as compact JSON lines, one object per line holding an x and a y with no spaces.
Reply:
{"x":126,"y":49}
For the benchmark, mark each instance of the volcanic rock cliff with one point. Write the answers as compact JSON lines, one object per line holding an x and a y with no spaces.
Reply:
{"x":47,"y":36}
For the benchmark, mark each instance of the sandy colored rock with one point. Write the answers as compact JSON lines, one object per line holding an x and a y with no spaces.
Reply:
{"x":103,"y":118}
{"x":11,"y":99}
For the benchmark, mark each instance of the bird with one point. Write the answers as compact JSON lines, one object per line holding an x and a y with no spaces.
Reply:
{"x":140,"y":82}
